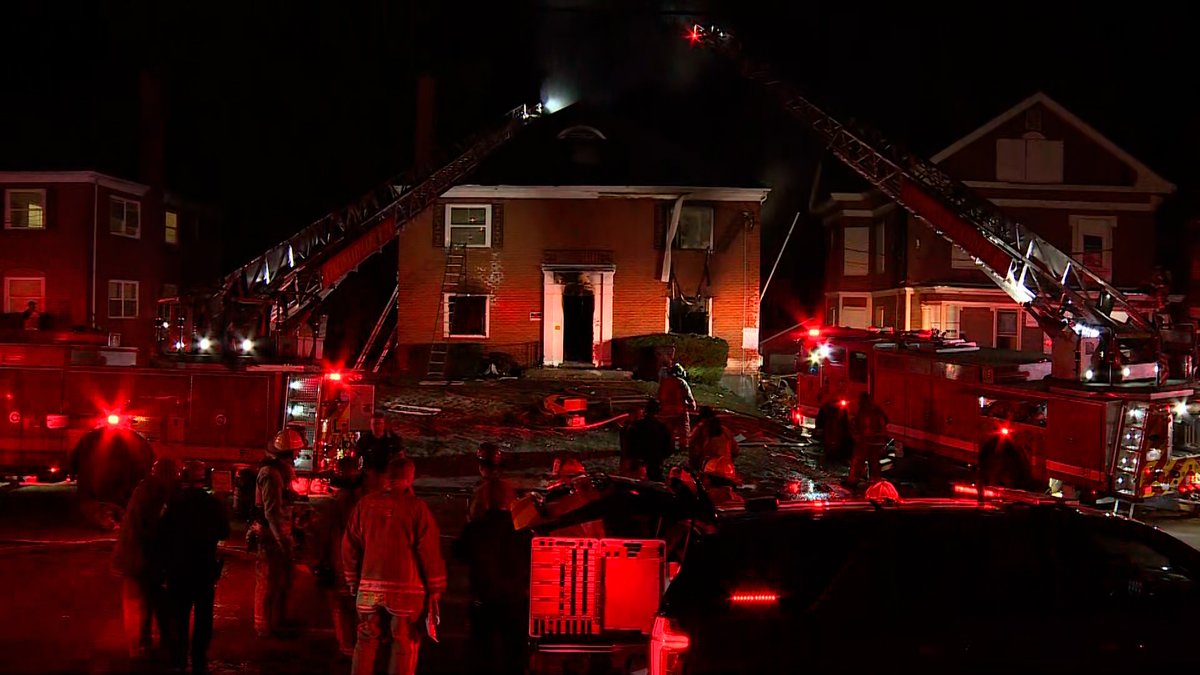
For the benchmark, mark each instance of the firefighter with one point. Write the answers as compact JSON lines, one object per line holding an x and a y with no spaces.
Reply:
{"x":376,"y":449}
{"x":137,"y":557}
{"x":394,"y":568}
{"x":565,"y":469}
{"x":494,"y":491}
{"x":719,"y":479}
{"x":870,"y":437}
{"x":330,"y":575}
{"x":711,"y":439}
{"x":497,"y":558}
{"x":193,"y":524}
{"x":676,"y":402}
{"x":650,"y":442}
{"x":273,"y":514}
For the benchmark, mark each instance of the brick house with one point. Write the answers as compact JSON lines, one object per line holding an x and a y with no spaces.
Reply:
{"x":566,"y":232}
{"x":1044,"y":167}
{"x":96,"y":253}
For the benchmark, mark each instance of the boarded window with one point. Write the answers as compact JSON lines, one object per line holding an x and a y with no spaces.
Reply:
{"x":466,"y":316}
{"x":1029,"y":160}
{"x":855,"y":251}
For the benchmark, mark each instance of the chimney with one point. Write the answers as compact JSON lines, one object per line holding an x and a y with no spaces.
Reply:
{"x":151,"y":130}
{"x":424,"y":142}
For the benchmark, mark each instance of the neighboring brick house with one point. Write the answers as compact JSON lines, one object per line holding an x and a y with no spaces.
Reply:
{"x":565,"y":230}
{"x":1044,"y":167}
{"x":96,"y":253}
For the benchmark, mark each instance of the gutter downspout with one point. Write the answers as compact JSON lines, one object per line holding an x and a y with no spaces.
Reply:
{"x":95,"y":228}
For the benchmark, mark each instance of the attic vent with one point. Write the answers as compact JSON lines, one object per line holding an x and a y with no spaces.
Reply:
{"x":1033,"y":119}
{"x":582,"y":131}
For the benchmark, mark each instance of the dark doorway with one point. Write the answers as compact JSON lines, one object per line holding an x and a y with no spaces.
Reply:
{"x":577,"y":327}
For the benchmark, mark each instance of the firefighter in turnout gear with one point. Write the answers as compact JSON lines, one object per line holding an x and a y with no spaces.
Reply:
{"x":273,"y":518}
{"x":193,"y":524}
{"x":494,"y":491}
{"x":870,"y":439}
{"x":330,"y":575}
{"x":137,"y":558}
{"x":393,"y":565}
{"x":676,"y":402}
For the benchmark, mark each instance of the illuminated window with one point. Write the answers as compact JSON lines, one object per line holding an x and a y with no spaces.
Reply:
{"x":25,"y":209}
{"x":469,"y":225}
{"x":855,"y":254}
{"x":171,"y":223}
{"x":466,"y":315}
{"x":695,"y":228}
{"x":20,"y":291}
{"x":122,"y":299}
{"x":124,"y":217}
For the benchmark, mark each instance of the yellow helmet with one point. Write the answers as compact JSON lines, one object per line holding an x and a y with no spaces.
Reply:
{"x":288,"y":440}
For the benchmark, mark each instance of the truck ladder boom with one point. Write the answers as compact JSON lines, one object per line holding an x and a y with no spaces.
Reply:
{"x":1053,"y":287}
{"x":302,"y":270}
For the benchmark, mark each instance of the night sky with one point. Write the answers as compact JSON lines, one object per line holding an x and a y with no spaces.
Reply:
{"x":280,"y":112}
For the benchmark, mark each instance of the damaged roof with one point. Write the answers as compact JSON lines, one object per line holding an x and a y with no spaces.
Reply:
{"x":589,"y":145}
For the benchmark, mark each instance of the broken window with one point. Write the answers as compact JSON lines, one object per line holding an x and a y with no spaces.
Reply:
{"x":695,"y":228}
{"x":690,"y":315}
{"x":469,"y":225}
{"x":466,"y":316}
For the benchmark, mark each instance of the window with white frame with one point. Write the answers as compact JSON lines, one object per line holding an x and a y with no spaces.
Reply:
{"x":951,"y":325}
{"x":1007,"y":322}
{"x":25,"y":209}
{"x":122,"y":299}
{"x":1092,"y":238}
{"x":1030,"y":159}
{"x":469,"y":225}
{"x":941,"y":317}
{"x":124,"y":217}
{"x":695,"y":229}
{"x":466,"y":316}
{"x":171,"y":227}
{"x":855,"y":253}
{"x":20,"y":291}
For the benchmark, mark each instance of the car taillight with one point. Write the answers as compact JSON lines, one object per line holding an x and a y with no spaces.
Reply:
{"x":972,"y":491}
{"x":668,"y":644}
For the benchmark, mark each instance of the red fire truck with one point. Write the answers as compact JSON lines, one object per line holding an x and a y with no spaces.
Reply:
{"x":997,"y":410}
{"x":55,"y":393}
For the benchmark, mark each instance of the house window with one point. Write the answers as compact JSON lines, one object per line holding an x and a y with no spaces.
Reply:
{"x":695,"y":228}
{"x":960,"y":259}
{"x":124,"y":217}
{"x":855,"y":253}
{"x":1092,"y":242}
{"x":25,"y":210}
{"x":690,"y":316}
{"x":880,"y":249}
{"x":1031,"y":159}
{"x":466,"y":316}
{"x":950,"y":320}
{"x":122,"y":299}
{"x":1006,"y":329}
{"x":20,"y":291}
{"x":171,"y":227}
{"x":469,"y":225}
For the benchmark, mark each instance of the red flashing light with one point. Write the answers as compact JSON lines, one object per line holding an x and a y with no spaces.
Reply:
{"x":754,"y":598}
{"x":843,"y":403}
{"x":972,"y":491}
{"x":793,"y":487}
{"x":1004,"y":431}
{"x":814,"y":332}
{"x":335,"y":376}
{"x":54,"y":469}
{"x":113,"y":420}
{"x":694,"y":34}
{"x":797,"y":418}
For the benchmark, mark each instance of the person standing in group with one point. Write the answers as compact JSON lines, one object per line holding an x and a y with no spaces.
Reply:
{"x":870,"y":438}
{"x":394,"y":568}
{"x":376,"y":448}
{"x":193,"y":524}
{"x":650,"y":442}
{"x":712,"y":439}
{"x":494,"y":491}
{"x":137,"y":557}
{"x":330,"y":574}
{"x":676,"y":402}
{"x":273,"y":568}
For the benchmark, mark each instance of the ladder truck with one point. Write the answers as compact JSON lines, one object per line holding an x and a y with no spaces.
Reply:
{"x":1103,"y":412}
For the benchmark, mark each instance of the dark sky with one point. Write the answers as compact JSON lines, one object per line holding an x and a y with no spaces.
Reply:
{"x":281,"y":111}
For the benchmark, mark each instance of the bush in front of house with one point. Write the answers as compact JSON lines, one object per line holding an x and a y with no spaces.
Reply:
{"x":703,"y":356}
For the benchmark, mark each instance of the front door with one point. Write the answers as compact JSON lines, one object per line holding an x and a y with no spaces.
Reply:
{"x":578,"y":310}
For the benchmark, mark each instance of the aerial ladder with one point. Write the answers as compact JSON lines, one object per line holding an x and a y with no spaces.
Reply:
{"x":265,"y":305}
{"x":1069,"y":301}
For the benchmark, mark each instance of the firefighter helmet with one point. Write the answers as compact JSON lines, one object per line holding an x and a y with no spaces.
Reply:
{"x":489,"y":454}
{"x":678,"y":371}
{"x":882,"y":491}
{"x":288,"y":441}
{"x":722,"y":468}
{"x":194,"y":471}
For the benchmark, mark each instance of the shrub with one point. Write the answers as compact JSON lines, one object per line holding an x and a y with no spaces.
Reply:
{"x":704,"y":357}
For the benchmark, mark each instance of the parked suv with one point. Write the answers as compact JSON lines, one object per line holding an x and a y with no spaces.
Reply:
{"x":926,"y":586}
